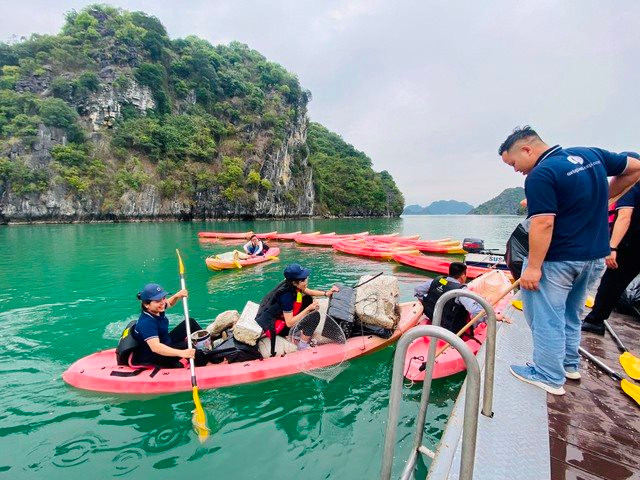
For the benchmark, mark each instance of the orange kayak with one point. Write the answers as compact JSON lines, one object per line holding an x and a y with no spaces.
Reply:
{"x":229,"y":260}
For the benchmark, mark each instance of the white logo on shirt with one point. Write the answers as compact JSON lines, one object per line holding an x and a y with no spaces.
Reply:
{"x":575,"y":159}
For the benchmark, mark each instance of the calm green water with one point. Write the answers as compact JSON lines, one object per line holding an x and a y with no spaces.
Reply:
{"x":68,"y":290}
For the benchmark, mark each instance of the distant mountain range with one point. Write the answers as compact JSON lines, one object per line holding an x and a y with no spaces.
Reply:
{"x":506,"y":203}
{"x":440,"y":207}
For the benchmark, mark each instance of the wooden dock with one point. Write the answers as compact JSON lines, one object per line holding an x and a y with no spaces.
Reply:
{"x":594,"y":429}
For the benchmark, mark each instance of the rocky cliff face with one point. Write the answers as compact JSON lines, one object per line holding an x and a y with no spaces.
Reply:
{"x":291,"y":195}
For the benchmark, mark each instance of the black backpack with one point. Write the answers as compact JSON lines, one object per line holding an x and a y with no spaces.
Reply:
{"x":126,"y":345}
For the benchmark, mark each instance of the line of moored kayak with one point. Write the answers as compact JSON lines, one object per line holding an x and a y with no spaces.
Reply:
{"x":405,"y":250}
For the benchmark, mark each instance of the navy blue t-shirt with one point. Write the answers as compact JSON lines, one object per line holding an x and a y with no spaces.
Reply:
{"x":150,"y":326}
{"x":571,"y":183}
{"x":631,"y":199}
{"x":286,"y":300}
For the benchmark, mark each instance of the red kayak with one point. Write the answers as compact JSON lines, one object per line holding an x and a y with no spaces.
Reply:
{"x":445,"y":245}
{"x":267,"y":236}
{"x":326,"y":240}
{"x":435,"y":264}
{"x":490,"y":285}
{"x":366,"y":248}
{"x":99,"y":371}
{"x":287,"y":237}
{"x":225,"y":234}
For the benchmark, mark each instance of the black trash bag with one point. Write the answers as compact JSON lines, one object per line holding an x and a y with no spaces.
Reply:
{"x":233,"y":351}
{"x":629,"y":302}
{"x":362,"y":329}
{"x":517,"y":249}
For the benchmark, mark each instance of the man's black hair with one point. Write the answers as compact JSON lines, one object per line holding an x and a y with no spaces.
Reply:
{"x":518,"y":134}
{"x":456,"y":269}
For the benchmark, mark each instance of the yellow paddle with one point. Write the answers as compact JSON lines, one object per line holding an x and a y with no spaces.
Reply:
{"x":518,"y":303}
{"x":629,"y":362}
{"x":199,"y":418}
{"x":627,"y":387}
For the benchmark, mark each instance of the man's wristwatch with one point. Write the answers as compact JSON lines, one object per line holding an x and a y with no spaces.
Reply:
{"x":613,"y":249}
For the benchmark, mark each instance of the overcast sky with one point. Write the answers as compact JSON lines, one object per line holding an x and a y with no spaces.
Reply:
{"x":428,"y":89}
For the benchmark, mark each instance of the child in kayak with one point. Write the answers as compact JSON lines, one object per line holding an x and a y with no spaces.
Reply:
{"x":288,"y":303}
{"x":156,"y":344}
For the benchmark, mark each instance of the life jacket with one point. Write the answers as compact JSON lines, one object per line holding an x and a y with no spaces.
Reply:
{"x":270,"y":316}
{"x":127,"y":344}
{"x":613,"y":214}
{"x":454,"y":315}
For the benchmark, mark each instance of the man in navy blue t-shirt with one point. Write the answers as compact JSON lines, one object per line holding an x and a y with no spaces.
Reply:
{"x":567,"y":194}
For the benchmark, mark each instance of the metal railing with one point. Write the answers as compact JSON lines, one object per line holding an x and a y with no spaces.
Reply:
{"x":470,"y":422}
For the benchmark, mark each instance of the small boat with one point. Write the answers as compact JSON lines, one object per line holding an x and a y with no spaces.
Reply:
{"x":326,"y":240}
{"x":231,"y":260}
{"x":486,"y":260}
{"x":225,"y":234}
{"x":100,"y":372}
{"x":435,"y":264}
{"x":490,"y":285}
{"x":371,"y":249}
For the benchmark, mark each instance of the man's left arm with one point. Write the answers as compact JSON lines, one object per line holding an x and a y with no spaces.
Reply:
{"x":622,"y":182}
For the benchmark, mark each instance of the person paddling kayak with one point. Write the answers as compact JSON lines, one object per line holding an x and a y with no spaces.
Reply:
{"x":288,"y":303}
{"x":156,"y":344}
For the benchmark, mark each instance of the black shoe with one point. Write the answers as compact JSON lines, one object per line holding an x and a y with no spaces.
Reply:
{"x":597,"y":328}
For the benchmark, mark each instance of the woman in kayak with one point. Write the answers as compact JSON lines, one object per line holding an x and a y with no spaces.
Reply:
{"x":288,"y":303}
{"x":156,"y":344}
{"x":255,"y":247}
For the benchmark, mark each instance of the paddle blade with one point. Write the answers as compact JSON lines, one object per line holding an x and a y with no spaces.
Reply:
{"x":589,"y":302}
{"x":630,"y":389}
{"x":199,"y":418}
{"x":180,"y":264}
{"x":273,"y":258}
{"x":631,"y":365}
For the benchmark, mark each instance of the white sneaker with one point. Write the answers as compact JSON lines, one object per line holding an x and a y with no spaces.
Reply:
{"x":519,"y":373}
{"x":572,"y":375}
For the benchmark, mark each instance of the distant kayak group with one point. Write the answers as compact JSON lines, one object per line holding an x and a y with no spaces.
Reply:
{"x":406,"y":250}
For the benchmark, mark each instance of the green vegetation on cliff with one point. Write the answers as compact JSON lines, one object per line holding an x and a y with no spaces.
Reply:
{"x":138,"y":108}
{"x":345,"y":184}
{"x":506,"y":203}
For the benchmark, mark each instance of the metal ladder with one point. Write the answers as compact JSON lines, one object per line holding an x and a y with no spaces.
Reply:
{"x":470,"y":423}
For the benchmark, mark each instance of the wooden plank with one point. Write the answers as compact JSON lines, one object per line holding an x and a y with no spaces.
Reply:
{"x":564,"y":471}
{"x":594,"y":429}
{"x":597,"y":465}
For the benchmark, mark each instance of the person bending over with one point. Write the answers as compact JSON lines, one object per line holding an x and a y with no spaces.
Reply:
{"x":458,"y":311}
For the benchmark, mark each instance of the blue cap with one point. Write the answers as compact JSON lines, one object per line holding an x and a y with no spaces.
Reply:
{"x":152,"y":291}
{"x":296,"y":272}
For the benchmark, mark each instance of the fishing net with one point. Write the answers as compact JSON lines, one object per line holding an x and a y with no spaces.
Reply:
{"x":325,"y":357}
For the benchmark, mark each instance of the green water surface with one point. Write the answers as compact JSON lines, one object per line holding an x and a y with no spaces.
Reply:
{"x":68,"y":290}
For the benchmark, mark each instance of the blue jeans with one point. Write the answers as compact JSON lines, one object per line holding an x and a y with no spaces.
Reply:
{"x":553,"y":313}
